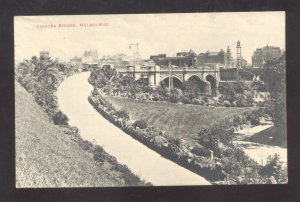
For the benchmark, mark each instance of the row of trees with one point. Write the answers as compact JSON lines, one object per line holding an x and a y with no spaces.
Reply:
{"x":41,"y":77}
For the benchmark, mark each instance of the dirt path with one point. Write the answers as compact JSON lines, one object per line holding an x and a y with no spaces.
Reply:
{"x":257,"y":151}
{"x":149,"y":165}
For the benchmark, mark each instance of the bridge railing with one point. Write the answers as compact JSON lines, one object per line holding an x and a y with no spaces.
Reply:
{"x":165,"y":69}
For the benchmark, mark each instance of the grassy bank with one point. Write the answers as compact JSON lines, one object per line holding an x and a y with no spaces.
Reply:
{"x":229,"y":164}
{"x":179,"y":120}
{"x":47,"y":157}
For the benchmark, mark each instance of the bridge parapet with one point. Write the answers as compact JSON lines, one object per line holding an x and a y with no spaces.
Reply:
{"x":156,"y":74}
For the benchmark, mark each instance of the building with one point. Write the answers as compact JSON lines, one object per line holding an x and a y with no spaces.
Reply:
{"x":265,"y":54}
{"x":228,"y":59}
{"x":191,"y":59}
{"x":159,"y":59}
{"x":182,"y":59}
{"x":90,"y":56}
{"x":90,"y":59}
{"x":76,"y":60}
{"x":211,"y":57}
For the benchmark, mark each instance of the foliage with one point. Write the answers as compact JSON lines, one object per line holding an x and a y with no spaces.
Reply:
{"x":160,"y":93}
{"x":40,"y":77}
{"x":122,"y":114}
{"x":98,"y":153}
{"x":175,"y":95}
{"x":259,"y":86}
{"x":60,"y":119}
{"x":175,"y":146}
{"x":186,"y":100}
{"x":101,"y":77}
{"x":275,"y":81}
{"x":142,"y":124}
{"x":216,"y":136}
{"x":201,"y":151}
{"x":274,"y":168}
{"x":235,"y":92}
{"x":236,"y":163}
{"x":192,"y":88}
{"x":226,"y":103}
{"x":86,"y":145}
{"x":198,"y":101}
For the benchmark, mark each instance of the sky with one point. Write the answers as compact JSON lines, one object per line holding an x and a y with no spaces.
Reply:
{"x":155,"y":33}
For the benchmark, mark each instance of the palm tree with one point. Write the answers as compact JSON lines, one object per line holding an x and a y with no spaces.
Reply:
{"x":47,"y":70}
{"x":176,"y":146}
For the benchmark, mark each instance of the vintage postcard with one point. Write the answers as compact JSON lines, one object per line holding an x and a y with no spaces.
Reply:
{"x":150,"y":99}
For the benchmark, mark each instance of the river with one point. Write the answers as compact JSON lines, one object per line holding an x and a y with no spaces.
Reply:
{"x":72,"y":97}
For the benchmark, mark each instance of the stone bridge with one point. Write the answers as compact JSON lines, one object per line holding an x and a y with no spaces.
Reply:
{"x":207,"y":78}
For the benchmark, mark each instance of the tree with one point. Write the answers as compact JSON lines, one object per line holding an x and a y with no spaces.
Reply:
{"x":233,"y":91}
{"x":274,"y":167}
{"x":275,"y":80}
{"x":192,"y":89}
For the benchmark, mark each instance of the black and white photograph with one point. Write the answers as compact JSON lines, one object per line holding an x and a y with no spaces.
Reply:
{"x":165,"y":99}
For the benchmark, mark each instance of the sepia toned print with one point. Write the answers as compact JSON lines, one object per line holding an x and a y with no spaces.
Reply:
{"x":150,"y":99}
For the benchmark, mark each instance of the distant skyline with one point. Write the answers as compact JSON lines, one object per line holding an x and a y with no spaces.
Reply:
{"x":155,"y":33}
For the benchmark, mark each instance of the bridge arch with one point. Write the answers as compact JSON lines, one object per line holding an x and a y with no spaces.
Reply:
{"x":188,"y":76}
{"x":197,"y":85}
{"x":213,"y":85}
{"x":177,"y":82}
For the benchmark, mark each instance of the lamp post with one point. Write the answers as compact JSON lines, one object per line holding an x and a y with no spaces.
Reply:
{"x":170,"y":79}
{"x":239,"y":58}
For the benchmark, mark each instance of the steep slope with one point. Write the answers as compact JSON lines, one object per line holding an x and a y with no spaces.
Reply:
{"x":47,"y":157}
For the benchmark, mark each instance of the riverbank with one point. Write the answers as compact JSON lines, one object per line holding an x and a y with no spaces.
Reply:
{"x":257,"y":142}
{"x":72,"y":98}
{"x":47,"y":157}
{"x":212,"y":155}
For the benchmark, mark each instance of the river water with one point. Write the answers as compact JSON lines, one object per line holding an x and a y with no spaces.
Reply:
{"x":72,"y":97}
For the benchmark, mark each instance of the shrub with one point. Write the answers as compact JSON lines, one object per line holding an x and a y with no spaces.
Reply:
{"x":253,"y":118}
{"x":186,"y":100}
{"x":98,"y":154}
{"x":86,"y":145}
{"x":226,"y":103}
{"x":201,"y":151}
{"x":236,"y":162}
{"x":197,"y":102}
{"x":231,"y":166}
{"x":155,"y":98}
{"x":274,"y":168}
{"x":142,"y":124}
{"x":122,"y":114}
{"x":60,"y":118}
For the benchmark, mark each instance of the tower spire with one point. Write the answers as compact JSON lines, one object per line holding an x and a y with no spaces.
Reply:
{"x":239,"y":54}
{"x":239,"y":58}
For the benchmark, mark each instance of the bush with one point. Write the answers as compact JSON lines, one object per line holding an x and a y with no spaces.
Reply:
{"x":274,"y":168}
{"x":142,"y":124}
{"x":226,"y":103}
{"x":197,"y":102}
{"x":86,"y":145}
{"x":122,"y":114}
{"x":253,"y":118}
{"x":155,"y":98}
{"x":60,"y":118}
{"x":98,"y":154}
{"x":201,"y":151}
{"x":186,"y":100}
{"x":236,"y":162}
